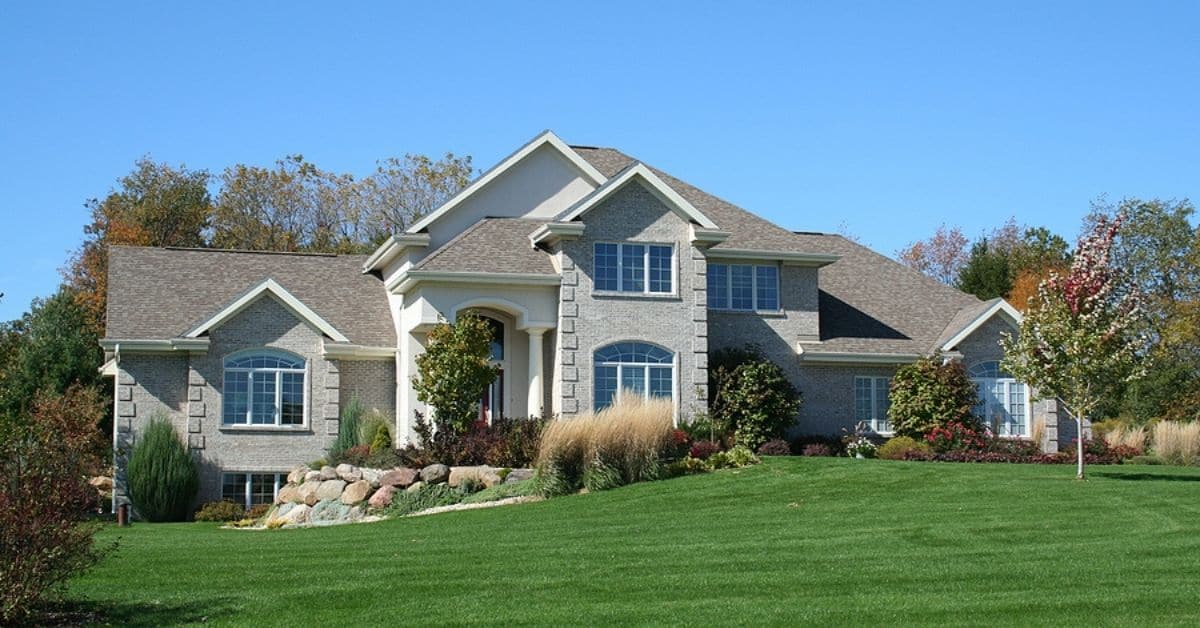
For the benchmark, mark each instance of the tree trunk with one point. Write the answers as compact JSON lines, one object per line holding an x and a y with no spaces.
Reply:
{"x":1079,"y":445}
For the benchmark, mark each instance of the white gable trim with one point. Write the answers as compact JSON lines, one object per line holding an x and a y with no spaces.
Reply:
{"x":392,"y":247}
{"x":655,"y":185}
{"x":546,"y":138}
{"x":1011,"y":315}
{"x":302,"y":311}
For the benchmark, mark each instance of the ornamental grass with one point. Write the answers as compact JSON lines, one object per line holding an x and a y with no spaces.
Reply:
{"x":1177,"y":443}
{"x":622,"y":444}
{"x":1131,"y":437}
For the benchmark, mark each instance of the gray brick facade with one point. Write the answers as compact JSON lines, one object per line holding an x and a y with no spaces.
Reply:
{"x":589,"y":320}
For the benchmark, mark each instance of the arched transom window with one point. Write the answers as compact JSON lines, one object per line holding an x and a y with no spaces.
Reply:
{"x":1003,"y":401}
{"x":263,"y":388}
{"x":632,"y":368}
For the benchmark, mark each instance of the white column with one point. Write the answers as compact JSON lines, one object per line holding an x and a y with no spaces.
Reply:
{"x":536,"y":388}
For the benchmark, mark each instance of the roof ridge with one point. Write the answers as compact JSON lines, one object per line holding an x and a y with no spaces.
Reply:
{"x":201,"y":249}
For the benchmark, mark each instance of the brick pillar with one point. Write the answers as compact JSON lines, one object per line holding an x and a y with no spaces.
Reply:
{"x":568,"y":342}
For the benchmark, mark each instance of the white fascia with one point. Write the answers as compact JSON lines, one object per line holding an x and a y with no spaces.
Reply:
{"x":1002,"y":307}
{"x":546,"y":138}
{"x":143,"y":345}
{"x":855,"y":358}
{"x":298,"y":308}
{"x":702,"y":236}
{"x":789,"y":258}
{"x":392,"y":247}
{"x":655,"y":185}
{"x":552,"y":232}
{"x":345,"y":351}
{"x":405,"y":281}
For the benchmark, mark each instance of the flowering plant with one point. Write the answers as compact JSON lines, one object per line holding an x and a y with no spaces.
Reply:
{"x":861,"y":446}
{"x":956,"y":436}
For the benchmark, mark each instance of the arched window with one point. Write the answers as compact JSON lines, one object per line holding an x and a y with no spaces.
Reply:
{"x":632,"y":368}
{"x":263,"y":388}
{"x":1003,"y":401}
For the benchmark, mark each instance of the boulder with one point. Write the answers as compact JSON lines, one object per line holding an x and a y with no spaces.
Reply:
{"x":401,"y":477}
{"x":518,"y":475}
{"x":435,"y":474}
{"x":356,"y":492}
{"x":356,"y":514}
{"x":289,"y":494}
{"x":297,"y":514}
{"x":458,"y":474}
{"x":382,"y":497}
{"x":330,"y":489}
{"x":312,"y":475}
{"x":328,"y":473}
{"x":349,"y":472}
{"x":414,"y":487}
{"x":297,"y":475}
{"x":489,"y":477}
{"x":328,"y":511}
{"x":308,"y":491}
{"x":372,"y":476}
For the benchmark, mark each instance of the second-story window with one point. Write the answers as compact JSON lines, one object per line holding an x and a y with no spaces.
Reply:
{"x":743,"y":287}
{"x":628,"y":267}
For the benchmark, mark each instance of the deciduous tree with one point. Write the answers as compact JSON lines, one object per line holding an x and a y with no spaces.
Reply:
{"x":942,"y":256}
{"x":455,"y":370}
{"x":1083,"y":332}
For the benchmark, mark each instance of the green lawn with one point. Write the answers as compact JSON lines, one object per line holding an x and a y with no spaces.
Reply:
{"x":795,"y":540}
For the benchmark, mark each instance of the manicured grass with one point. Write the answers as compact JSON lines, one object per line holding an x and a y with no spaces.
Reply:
{"x":795,"y":540}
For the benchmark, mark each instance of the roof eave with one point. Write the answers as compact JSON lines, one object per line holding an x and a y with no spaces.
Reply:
{"x":393,"y":247}
{"x":1000,"y":307}
{"x":789,"y":258}
{"x":406,"y":281}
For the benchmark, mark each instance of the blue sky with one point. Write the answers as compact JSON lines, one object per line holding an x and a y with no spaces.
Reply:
{"x":890,"y":118}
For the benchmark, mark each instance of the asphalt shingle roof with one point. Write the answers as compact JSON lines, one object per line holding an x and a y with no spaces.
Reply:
{"x":868,"y":302}
{"x":157,"y":293}
{"x":492,"y":245}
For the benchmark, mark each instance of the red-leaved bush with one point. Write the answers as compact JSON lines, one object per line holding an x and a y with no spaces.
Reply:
{"x":702,"y":449}
{"x":45,"y":461}
{"x":955,"y":436}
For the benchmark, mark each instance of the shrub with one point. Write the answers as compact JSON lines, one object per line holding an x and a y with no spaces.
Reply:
{"x":703,"y":427}
{"x":702,"y":449}
{"x":221,"y":511}
{"x":619,"y":445}
{"x":374,"y":430}
{"x":899,"y":447}
{"x":45,"y":459}
{"x":162,"y":476}
{"x":686,"y":466}
{"x":955,"y":436}
{"x":816,"y":449}
{"x":1177,"y":443}
{"x":504,"y":443}
{"x":348,"y":429}
{"x":833,"y":444}
{"x":356,"y":455}
{"x":928,"y":394}
{"x":1016,"y":446}
{"x":257,"y":511}
{"x":428,"y":496}
{"x":454,"y":371}
{"x":751,"y":396}
{"x":775,"y":447}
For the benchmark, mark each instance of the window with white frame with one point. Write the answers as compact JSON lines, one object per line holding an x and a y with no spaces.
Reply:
{"x":251,"y":489}
{"x":629,"y":267}
{"x":263,"y":388}
{"x":871,"y":402}
{"x":636,"y":368}
{"x":743,"y":287}
{"x":1003,"y":401}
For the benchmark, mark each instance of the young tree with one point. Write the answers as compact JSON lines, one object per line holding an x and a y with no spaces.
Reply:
{"x":455,"y":370}
{"x":1083,"y":331}
{"x":942,"y":256}
{"x":163,"y":478}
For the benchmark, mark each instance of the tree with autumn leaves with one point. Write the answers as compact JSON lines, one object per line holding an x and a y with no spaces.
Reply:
{"x":1083,"y":332}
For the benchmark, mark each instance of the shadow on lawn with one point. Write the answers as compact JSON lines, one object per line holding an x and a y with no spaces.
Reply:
{"x":1153,"y":477}
{"x":88,"y":612}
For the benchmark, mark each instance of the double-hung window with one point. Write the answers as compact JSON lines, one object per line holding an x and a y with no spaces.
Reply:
{"x":743,"y":287}
{"x":264,"y":388}
{"x":629,"y":267}
{"x":871,"y":403}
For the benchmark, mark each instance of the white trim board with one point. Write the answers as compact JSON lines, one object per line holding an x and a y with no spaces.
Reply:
{"x":652,"y":183}
{"x":392,"y":247}
{"x":406,"y":281}
{"x":546,"y":137}
{"x":1001,"y":306}
{"x":298,"y":308}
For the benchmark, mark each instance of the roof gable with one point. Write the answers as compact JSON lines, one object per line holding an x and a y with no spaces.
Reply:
{"x":268,"y":287}
{"x":547,"y":139}
{"x":639,"y":173}
{"x":970,"y":319}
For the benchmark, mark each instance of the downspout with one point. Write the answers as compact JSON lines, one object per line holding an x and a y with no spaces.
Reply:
{"x":116,"y":396}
